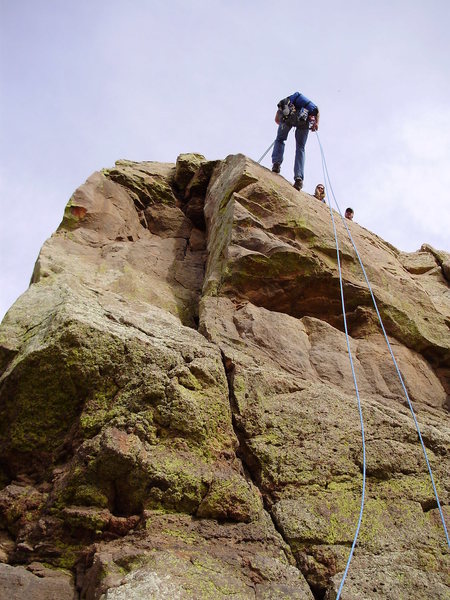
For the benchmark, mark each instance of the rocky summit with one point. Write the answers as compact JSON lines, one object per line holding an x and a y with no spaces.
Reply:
{"x":178,"y":417}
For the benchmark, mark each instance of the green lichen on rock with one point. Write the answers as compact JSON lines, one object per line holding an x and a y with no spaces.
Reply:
{"x":400,"y":323}
{"x":115,"y":418}
{"x":186,"y":167}
{"x":297,"y":228}
{"x":91,"y":519}
{"x":67,"y":555}
{"x":198,"y":184}
{"x":19,"y":505}
{"x":88,"y":495}
{"x":40,"y":403}
{"x":231,"y":498}
{"x":218,"y":243}
{"x":70,"y":219}
{"x":280,"y":266}
{"x":122,"y":477}
{"x":150,"y":189}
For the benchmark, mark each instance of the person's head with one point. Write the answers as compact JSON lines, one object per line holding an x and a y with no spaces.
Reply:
{"x":349,"y":212}
{"x":319,"y":192}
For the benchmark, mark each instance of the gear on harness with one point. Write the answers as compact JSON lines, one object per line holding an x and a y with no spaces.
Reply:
{"x":287,"y":113}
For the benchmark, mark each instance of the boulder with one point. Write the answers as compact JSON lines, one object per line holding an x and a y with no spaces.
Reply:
{"x":178,"y":414}
{"x":18,"y":583}
{"x":186,"y":167}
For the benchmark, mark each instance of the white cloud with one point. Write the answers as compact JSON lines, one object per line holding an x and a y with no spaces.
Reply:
{"x":408,"y":193}
{"x":426,"y":135}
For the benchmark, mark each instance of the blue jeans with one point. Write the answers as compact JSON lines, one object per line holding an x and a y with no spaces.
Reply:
{"x":301,"y":135}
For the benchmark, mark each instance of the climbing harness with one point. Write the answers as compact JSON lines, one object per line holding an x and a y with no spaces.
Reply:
{"x":327,"y":178}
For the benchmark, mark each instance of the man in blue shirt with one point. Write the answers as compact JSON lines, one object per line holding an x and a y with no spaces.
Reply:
{"x":299,"y":112}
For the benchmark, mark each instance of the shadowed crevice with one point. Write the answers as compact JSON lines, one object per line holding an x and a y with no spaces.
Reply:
{"x":250,"y":463}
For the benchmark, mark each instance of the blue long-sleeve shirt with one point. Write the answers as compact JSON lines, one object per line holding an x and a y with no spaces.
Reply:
{"x":300,"y":101}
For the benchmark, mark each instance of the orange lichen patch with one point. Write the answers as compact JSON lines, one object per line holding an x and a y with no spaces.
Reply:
{"x":78,"y":211}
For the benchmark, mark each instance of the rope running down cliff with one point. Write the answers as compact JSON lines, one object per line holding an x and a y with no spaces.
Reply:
{"x":272,"y":144}
{"x":363,"y":491}
{"x":327,"y":178}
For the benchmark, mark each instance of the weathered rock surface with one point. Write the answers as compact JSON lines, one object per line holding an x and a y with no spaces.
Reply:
{"x":178,"y":556}
{"x":177,"y":410}
{"x":36,"y":583}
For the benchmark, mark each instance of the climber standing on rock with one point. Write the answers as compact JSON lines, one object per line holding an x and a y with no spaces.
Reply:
{"x":299,"y":112}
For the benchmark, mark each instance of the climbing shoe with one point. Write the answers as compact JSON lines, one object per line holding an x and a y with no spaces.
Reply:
{"x":298,"y":184}
{"x":276,"y":167}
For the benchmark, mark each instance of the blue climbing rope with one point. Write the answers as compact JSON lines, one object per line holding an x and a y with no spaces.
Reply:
{"x":272,"y":144}
{"x":325,"y":168}
{"x":363,"y":492}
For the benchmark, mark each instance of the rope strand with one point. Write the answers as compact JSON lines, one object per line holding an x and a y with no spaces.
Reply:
{"x":324,"y":166}
{"x":266,"y":151}
{"x":357,"y":395}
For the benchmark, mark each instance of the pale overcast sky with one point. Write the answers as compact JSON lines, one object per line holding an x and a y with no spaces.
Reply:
{"x":86,"y":82}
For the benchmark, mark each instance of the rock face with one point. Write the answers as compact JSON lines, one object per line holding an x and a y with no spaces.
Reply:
{"x":178,"y":416}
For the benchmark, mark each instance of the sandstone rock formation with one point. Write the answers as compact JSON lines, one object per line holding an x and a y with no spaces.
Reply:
{"x":177,"y":410}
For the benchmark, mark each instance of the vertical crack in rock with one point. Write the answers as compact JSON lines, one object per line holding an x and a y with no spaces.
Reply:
{"x":241,"y":452}
{"x":249,"y":464}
